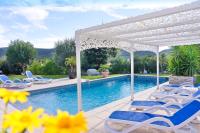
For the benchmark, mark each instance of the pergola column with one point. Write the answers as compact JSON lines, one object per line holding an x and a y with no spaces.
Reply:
{"x":132,"y":75}
{"x":78,"y":73}
{"x":158,"y":71}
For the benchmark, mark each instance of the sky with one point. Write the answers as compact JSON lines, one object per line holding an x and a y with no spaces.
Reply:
{"x":43,"y":22}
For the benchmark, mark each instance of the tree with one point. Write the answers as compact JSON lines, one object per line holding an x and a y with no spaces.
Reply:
{"x":96,"y":57}
{"x":184,"y":60}
{"x":64,"y":49}
{"x":19,"y":55}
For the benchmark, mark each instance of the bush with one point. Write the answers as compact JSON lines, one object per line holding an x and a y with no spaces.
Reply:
{"x":36,"y":67}
{"x":4,"y":67}
{"x":46,"y":67}
{"x":184,"y":60}
{"x":51,"y":68}
{"x":120,"y":65}
{"x":104,"y":68}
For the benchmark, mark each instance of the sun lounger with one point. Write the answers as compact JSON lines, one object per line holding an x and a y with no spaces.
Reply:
{"x":17,"y":83}
{"x":176,"y":122}
{"x":179,"y":94}
{"x":36,"y":79}
{"x":170,"y":87}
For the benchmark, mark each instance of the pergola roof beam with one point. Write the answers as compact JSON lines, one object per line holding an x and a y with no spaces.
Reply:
{"x":166,"y":32}
{"x":155,"y":27}
{"x":168,"y":37}
{"x":171,"y":40}
{"x":165,"y":12}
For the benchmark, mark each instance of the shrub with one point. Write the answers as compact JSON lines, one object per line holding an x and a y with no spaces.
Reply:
{"x":184,"y":61}
{"x":4,"y":67}
{"x":104,"y":68}
{"x":36,"y":67}
{"x":51,"y":68}
{"x":46,"y":67}
{"x":120,"y":65}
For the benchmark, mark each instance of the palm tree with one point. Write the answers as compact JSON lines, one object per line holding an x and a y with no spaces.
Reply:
{"x":71,"y":64}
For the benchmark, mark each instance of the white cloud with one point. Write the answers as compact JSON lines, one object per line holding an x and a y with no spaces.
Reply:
{"x":24,"y":27}
{"x":35,"y":15}
{"x":48,"y":42}
{"x":3,"y":41}
{"x":3,"y":29}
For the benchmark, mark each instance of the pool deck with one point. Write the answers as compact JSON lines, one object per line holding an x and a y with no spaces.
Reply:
{"x":97,"y":116}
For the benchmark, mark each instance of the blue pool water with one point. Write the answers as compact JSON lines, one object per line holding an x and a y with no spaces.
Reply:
{"x":94,"y":94}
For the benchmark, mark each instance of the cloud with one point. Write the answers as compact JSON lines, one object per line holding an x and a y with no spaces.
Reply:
{"x":35,"y":15}
{"x":3,"y":29}
{"x":48,"y":42}
{"x":3,"y":41}
{"x":24,"y":27}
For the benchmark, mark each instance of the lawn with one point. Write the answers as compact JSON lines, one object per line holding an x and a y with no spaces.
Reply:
{"x":161,"y":75}
{"x":12,"y":77}
{"x":98,"y":76}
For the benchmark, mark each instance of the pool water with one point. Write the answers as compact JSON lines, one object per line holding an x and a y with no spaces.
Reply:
{"x":94,"y":94}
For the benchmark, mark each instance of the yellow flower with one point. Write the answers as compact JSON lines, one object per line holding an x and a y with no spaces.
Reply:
{"x":65,"y":123}
{"x":19,"y":121}
{"x":13,"y":96}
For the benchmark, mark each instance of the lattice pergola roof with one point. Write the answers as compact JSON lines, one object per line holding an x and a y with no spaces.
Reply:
{"x":169,"y":27}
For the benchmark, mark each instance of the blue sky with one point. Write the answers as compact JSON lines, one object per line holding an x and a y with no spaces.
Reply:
{"x":43,"y":22}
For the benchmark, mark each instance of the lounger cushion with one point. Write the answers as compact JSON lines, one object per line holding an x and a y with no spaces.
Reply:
{"x":151,"y":104}
{"x":136,"y":117}
{"x":147,"y":103}
{"x":185,"y":113}
{"x":179,"y":117}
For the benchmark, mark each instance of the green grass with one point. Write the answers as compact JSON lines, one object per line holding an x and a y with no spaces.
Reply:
{"x":97,"y":77}
{"x":12,"y":77}
{"x":161,"y":75}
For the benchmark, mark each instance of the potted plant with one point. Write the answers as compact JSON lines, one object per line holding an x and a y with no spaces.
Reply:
{"x":104,"y":69}
{"x":71,"y":64}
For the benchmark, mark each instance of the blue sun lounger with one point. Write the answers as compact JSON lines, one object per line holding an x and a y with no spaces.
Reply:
{"x":146,"y":104}
{"x":36,"y":79}
{"x":136,"y":120}
{"x":17,"y":83}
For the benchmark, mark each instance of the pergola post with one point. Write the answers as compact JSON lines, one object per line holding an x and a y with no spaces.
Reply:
{"x":78,"y":73}
{"x":158,"y":71}
{"x":132,"y":75}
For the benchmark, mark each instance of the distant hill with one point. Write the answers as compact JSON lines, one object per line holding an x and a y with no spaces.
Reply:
{"x":166,"y":51}
{"x":46,"y":53}
{"x":41,"y":53}
{"x":143,"y":53}
{"x":2,"y":51}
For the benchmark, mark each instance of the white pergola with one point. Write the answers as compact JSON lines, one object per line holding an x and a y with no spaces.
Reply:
{"x":168,"y":27}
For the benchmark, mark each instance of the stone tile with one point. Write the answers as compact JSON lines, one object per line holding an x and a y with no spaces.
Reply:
{"x":93,"y":122}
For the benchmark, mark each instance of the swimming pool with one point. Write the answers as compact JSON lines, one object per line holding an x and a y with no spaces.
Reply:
{"x":94,"y":94}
